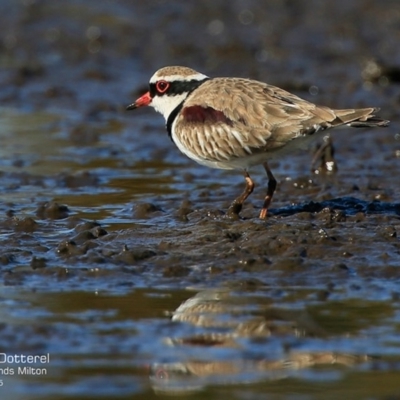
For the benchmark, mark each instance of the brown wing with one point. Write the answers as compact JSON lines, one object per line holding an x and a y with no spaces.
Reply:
{"x":233,"y":117}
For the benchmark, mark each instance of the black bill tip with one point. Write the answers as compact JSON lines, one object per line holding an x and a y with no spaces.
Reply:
{"x":131,"y":106}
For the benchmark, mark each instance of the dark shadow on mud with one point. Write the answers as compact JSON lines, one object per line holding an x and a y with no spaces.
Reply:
{"x":347,"y":205}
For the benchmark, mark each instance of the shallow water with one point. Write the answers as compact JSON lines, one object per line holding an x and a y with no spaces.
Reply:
{"x":116,"y":257}
{"x":222,"y":342}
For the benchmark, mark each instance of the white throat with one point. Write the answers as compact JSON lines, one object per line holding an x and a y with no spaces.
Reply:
{"x":166,"y":104}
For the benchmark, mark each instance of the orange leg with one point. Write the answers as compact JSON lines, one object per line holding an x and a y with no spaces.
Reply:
{"x":237,"y":204}
{"x":270,"y":192}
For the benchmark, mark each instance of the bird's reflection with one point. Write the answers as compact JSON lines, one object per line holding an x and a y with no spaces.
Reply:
{"x":228,"y":322}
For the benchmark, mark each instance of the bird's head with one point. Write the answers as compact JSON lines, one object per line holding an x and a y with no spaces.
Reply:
{"x":168,"y":88}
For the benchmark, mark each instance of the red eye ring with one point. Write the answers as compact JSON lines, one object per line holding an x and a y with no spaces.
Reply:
{"x":162,"y":86}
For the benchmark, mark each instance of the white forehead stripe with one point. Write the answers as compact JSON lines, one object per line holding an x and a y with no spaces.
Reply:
{"x":171,"y":78}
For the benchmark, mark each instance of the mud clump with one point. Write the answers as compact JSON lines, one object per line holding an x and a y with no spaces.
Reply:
{"x":52,"y":210}
{"x":145,"y":210}
{"x":132,"y":256}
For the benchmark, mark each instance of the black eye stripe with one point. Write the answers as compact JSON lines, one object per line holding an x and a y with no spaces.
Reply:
{"x":177,"y":87}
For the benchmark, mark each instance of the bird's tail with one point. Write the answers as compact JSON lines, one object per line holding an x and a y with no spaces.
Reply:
{"x":360,"y":118}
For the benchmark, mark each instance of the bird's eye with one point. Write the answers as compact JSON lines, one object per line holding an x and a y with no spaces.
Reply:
{"x":162,"y":86}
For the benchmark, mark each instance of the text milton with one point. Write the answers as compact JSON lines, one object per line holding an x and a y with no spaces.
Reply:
{"x":23,"y":371}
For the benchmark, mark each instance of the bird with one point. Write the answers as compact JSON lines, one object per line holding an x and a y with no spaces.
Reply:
{"x":237,"y":123}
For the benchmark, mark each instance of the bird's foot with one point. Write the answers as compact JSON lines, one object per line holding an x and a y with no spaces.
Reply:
{"x":263,"y":213}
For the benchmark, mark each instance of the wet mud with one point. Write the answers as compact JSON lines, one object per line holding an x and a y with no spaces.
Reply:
{"x":117,"y":257}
